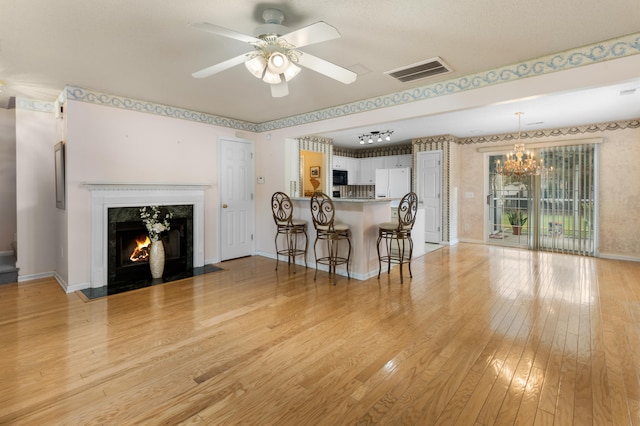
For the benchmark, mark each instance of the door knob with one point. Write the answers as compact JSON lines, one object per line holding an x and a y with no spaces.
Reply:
{"x":224,"y":206}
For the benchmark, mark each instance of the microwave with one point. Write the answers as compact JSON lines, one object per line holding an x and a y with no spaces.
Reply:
{"x":340,"y":177}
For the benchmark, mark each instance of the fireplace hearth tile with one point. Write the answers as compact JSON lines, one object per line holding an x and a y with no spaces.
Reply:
{"x":124,"y":286}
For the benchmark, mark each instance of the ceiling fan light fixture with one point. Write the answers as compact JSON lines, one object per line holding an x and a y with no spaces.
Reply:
{"x":276,"y":58}
{"x":278,"y":63}
{"x":256,"y":66}
{"x":291,"y":72}
{"x":271,"y":78}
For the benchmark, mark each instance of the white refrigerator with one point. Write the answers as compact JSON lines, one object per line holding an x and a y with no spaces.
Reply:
{"x":393,"y":183}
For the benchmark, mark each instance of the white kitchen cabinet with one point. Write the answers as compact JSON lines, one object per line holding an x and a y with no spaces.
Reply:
{"x":398,"y":161}
{"x":405,"y":161}
{"x":368,"y":168}
{"x":339,"y":162}
{"x":353,"y":169}
{"x":351,"y":165}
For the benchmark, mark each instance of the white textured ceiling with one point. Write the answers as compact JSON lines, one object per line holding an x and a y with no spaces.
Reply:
{"x":144,"y":49}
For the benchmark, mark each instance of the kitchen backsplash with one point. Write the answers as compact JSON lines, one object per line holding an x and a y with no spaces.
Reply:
{"x":356,"y":191}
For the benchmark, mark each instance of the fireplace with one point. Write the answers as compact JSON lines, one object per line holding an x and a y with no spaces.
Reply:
{"x":128,"y":240}
{"x":108,"y":196}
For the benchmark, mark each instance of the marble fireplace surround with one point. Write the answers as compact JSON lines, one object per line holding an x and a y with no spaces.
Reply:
{"x":109,"y":195}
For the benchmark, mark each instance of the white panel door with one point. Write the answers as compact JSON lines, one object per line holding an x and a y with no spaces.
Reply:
{"x":430,"y":193}
{"x":237,"y":209}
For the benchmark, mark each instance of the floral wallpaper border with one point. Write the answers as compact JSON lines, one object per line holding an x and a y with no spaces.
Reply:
{"x":565,"y":131}
{"x":89,"y":96}
{"x":33,"y":105}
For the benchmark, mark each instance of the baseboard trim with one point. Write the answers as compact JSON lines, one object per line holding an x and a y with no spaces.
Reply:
{"x":465,"y":240}
{"x":618,"y":257}
{"x":31,"y":277}
{"x":61,"y":282}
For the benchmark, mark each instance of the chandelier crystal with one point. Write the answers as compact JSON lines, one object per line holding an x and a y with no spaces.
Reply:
{"x":520,"y":163}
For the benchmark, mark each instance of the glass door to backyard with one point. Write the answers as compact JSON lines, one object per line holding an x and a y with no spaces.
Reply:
{"x":509,"y":208}
{"x":555,"y":211}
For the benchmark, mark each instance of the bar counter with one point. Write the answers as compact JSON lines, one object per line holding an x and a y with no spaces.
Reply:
{"x":363,"y":216}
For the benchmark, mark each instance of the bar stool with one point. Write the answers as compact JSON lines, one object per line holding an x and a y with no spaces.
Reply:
{"x":290,"y":228}
{"x":397,"y":234}
{"x":323,"y":214}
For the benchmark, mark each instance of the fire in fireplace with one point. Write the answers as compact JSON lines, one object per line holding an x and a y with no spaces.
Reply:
{"x":128,"y":243}
{"x":141,"y":252}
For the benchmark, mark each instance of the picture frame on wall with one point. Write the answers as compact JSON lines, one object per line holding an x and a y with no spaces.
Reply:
{"x":314,"y":171}
{"x":59,"y":159}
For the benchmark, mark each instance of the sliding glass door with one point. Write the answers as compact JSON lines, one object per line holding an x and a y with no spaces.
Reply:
{"x":556,"y":211}
{"x":510,"y":206}
{"x":568,"y":200}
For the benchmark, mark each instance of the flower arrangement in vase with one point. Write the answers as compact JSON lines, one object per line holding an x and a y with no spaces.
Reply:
{"x":156,"y":223}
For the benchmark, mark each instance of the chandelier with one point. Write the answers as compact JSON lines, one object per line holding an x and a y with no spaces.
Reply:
{"x":520,"y":163}
{"x":375,"y":136}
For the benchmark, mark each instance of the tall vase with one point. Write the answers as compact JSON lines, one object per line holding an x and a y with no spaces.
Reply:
{"x":156,"y":259}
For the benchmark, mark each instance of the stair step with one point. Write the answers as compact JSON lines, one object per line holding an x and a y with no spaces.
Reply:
{"x":8,"y":270}
{"x":9,"y":276}
{"x":7,"y":258}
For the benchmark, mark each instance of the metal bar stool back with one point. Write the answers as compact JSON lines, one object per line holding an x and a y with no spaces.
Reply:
{"x":331,"y":233}
{"x":289,"y":228}
{"x":397,"y":236}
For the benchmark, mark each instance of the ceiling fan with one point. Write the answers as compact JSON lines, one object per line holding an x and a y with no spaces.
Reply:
{"x":276,"y":56}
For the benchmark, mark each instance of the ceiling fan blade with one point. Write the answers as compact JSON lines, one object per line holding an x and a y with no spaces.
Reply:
{"x":280,"y":90}
{"x":214,"y":29}
{"x":334,"y":71}
{"x":221,"y":66}
{"x":311,"y":34}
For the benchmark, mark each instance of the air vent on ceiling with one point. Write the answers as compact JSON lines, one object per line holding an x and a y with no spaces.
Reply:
{"x":627,"y":92}
{"x":424,"y":69}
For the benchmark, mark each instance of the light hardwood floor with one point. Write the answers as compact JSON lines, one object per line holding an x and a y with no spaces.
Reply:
{"x":481,"y":335}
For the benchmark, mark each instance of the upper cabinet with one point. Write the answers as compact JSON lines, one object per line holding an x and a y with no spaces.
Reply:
{"x":398,"y":161}
{"x":362,"y":171}
{"x":351,"y":165}
{"x":339,"y":162}
{"x":368,"y":168}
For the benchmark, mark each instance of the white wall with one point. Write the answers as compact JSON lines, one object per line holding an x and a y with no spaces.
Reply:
{"x":8,"y":178}
{"x":111,"y":145}
{"x":37,"y":215}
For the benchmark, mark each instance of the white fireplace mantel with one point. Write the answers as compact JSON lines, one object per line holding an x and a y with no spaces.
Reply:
{"x":110,"y":195}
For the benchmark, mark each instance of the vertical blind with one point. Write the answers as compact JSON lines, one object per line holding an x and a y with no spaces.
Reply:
{"x":567,"y":205}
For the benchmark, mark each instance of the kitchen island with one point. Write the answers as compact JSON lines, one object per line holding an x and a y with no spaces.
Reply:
{"x":363,"y":216}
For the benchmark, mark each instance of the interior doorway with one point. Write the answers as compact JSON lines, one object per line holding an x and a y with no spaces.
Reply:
{"x":237,"y":204}
{"x":429,"y":191}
